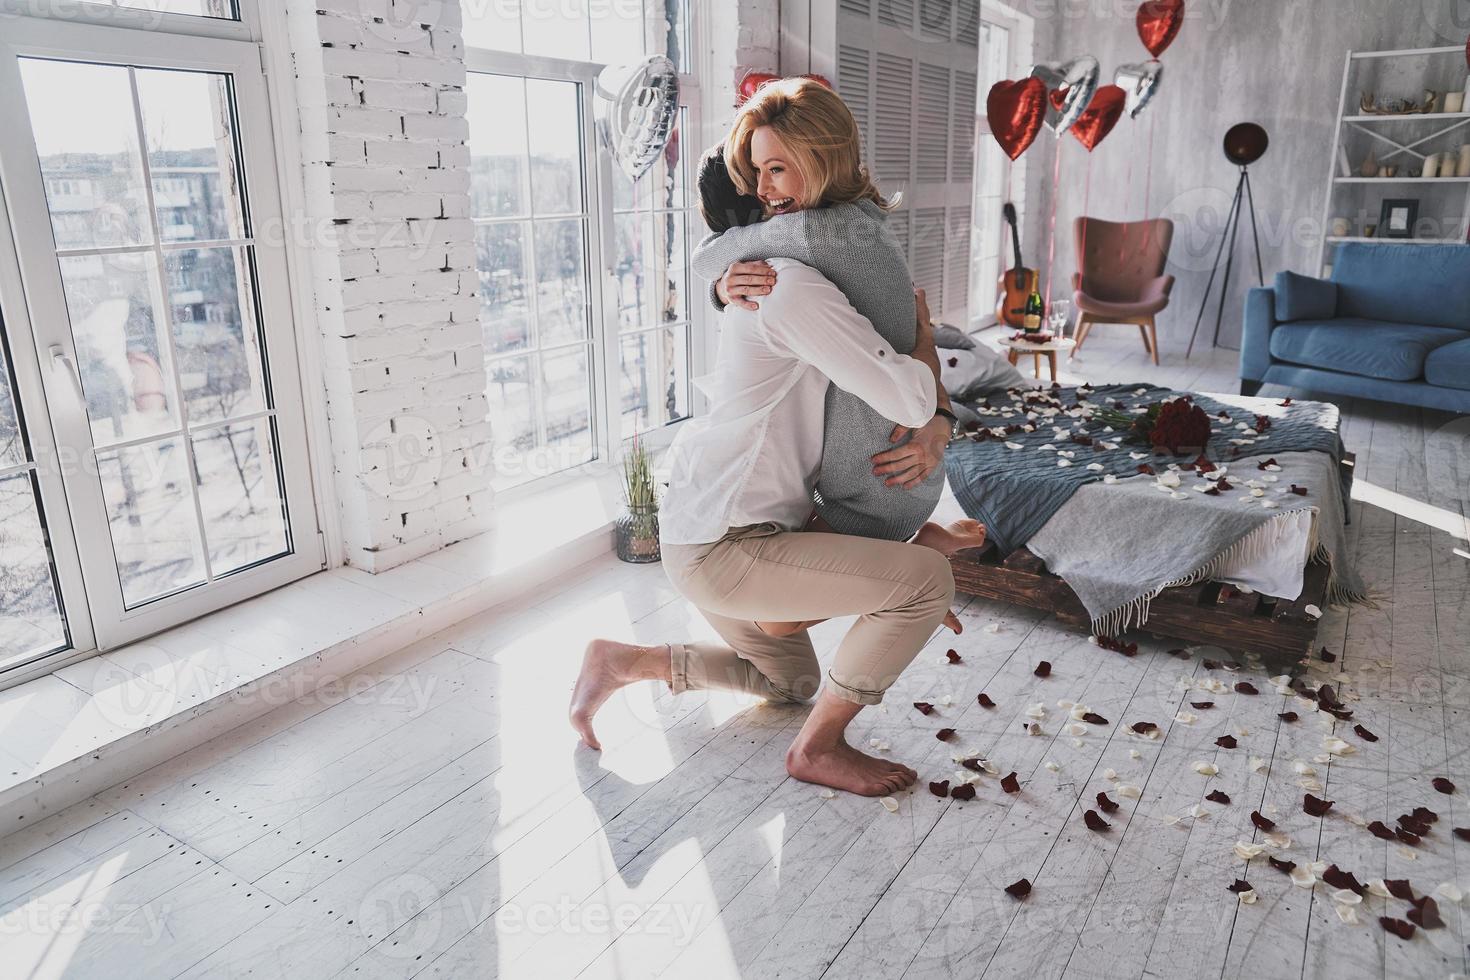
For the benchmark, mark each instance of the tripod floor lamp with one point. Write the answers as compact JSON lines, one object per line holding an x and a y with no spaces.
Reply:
{"x":1245,"y":143}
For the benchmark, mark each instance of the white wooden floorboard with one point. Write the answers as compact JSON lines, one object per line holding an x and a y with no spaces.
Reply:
{"x":434,"y":817}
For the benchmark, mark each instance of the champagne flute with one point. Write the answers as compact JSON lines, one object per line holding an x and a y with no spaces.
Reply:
{"x":1061,"y":312}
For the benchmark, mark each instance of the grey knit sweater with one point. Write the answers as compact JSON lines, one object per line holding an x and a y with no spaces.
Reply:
{"x":851,"y":245}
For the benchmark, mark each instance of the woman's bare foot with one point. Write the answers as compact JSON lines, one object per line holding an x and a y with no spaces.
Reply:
{"x":949,"y":538}
{"x":843,"y":767}
{"x":607,"y":666}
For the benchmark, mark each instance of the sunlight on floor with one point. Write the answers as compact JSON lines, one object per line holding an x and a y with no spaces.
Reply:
{"x":44,"y":934}
{"x":1415,"y":510}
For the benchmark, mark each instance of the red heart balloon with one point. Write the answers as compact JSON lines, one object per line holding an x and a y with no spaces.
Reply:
{"x":1158,"y":24}
{"x":1059,"y":97}
{"x":1101,"y":115}
{"x":1016,"y":111}
{"x":748,"y":85}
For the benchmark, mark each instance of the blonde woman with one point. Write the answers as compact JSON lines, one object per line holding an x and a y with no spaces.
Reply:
{"x":741,"y":490}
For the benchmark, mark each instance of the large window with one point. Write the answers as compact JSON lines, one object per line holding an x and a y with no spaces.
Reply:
{"x":154,"y":338}
{"x":584,"y":281}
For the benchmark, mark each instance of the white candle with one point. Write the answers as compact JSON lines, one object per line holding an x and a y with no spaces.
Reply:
{"x":1464,"y":169}
{"x":1454,"y":102}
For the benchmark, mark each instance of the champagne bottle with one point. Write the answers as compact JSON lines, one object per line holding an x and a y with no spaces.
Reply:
{"x":1033,"y":312}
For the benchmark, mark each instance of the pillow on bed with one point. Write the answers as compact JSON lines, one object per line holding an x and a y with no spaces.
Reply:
{"x":971,"y":374}
{"x":947,"y":337}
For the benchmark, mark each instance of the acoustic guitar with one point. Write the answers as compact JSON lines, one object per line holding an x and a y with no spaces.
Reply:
{"x":1017,"y":283}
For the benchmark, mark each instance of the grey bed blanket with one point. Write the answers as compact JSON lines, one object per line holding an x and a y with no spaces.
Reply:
{"x":1017,"y":482}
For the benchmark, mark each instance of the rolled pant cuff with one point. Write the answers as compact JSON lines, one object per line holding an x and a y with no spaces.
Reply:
{"x":854,"y":694}
{"x":678,"y":668}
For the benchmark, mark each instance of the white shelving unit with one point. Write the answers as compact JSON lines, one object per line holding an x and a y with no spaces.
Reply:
{"x":1405,"y":140}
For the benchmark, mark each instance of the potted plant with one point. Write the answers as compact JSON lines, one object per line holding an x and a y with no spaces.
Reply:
{"x":637,"y":530}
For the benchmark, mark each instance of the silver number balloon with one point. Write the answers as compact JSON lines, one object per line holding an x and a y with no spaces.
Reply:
{"x":636,"y":108}
{"x":1140,"y":83}
{"x":1076,"y":80}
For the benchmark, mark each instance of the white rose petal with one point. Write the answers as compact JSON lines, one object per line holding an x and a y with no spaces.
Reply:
{"x":1037,"y":710}
{"x":1077,"y":743}
{"x":827,"y":794}
{"x":1185,"y":718}
{"x":1312,"y":611}
{"x":1066,"y":454}
{"x":1110,"y":478}
{"x":1206,"y":768}
{"x":1245,"y":850}
{"x":1013,"y":445}
{"x":1258,"y":492}
{"x":1450,"y":891}
{"x":1076,"y":728}
{"x":1272,"y":468}
{"x":1302,"y":769}
{"x":992,"y":628}
{"x":1052,"y":766}
{"x":1346,"y":896}
{"x":1064,"y":462}
{"x":1277,"y":839}
{"x":990,"y":767}
{"x":1258,"y":764}
{"x":1337,"y":746}
{"x":1377,"y":887}
{"x":1170,"y":819}
{"x":1302,"y":876}
{"x":1169,"y":478}
{"x":1034,"y":729}
{"x":1095,"y":467}
{"x":1135,"y":754}
{"x":1407,"y":854}
{"x":1198,"y":811}
{"x":1137,"y":456}
{"x":1247,"y":897}
{"x":1129,"y":792}
{"x":1348,"y":914}
{"x":1111,"y":775}
{"x":889,"y":804}
{"x":1176,"y":495}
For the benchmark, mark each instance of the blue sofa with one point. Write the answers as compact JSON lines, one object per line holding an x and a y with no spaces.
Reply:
{"x":1393,"y":325}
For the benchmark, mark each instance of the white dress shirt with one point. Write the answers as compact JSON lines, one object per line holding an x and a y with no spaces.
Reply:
{"x":755,"y":456}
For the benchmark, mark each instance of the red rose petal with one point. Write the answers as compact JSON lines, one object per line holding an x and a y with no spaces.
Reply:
{"x":1443,"y":785}
{"x":1285,"y":867}
{"x":1094,"y":822}
{"x":1043,"y":669}
{"x":1224,"y":484}
{"x":1106,"y":804}
{"x":1179,"y":652}
{"x":1380,"y":830}
{"x":1144,"y":727}
{"x":1212,"y":492}
{"x":924,"y":707}
{"x":1425,"y":914}
{"x":1145,"y":468}
{"x":1338,"y":878}
{"x":972,"y":764}
{"x":985,"y":701}
{"x":1262,"y":822}
{"x":1202,"y":705}
{"x":1314,"y":806}
{"x":1284,"y":402}
{"x":1299,"y":491}
{"x":1268,"y":462}
{"x":1413,"y":825}
{"x":1211,"y":664}
{"x":1019,"y":889}
{"x":954,"y":362}
{"x":1364,"y":734}
{"x":944,"y":734}
{"x":1245,"y":688}
{"x":1010,"y":784}
{"x":952,"y":656}
{"x":1288,"y":716}
{"x":1400,"y":928}
{"x":1411,"y":839}
{"x":940,"y":788}
{"x":964,"y":791}
{"x":1226,"y":741}
{"x":1425,"y":814}
{"x":1093,"y":718}
{"x":1399,"y":888}
{"x":1218,"y":797}
{"x":1462,"y":832}
{"x":1327,"y":656}
{"x":1240,"y":885}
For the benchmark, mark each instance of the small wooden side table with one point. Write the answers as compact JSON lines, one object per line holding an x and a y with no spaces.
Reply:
{"x":1048,"y":350}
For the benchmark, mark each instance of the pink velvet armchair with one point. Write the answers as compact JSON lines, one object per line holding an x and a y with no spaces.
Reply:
{"x":1122,"y":276}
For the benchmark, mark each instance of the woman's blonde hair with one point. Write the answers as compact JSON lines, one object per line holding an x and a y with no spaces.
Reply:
{"x":817,"y":127}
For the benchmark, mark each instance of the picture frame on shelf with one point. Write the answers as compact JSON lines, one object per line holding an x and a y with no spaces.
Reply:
{"x":1397,"y":217}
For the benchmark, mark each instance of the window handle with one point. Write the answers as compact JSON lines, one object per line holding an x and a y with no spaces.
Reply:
{"x":61,"y":359}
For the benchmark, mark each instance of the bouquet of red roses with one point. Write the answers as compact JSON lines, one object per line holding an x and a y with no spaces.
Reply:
{"x":1179,"y":426}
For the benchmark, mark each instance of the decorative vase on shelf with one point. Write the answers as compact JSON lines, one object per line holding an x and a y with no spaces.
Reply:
{"x":636,"y":531}
{"x":1370,"y":165}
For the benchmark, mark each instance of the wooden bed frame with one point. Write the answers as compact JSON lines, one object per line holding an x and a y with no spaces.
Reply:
{"x":1207,"y":612}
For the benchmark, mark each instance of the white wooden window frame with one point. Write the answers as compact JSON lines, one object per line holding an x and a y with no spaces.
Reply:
{"x":601,"y":254}
{"x":204,"y":44}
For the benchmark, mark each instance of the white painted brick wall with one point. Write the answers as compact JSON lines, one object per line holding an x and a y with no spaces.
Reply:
{"x":380,"y":84}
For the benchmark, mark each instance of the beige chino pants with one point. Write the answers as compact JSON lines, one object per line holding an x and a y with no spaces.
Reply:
{"x":899,"y":592}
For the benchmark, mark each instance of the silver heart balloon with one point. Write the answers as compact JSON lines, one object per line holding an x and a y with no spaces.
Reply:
{"x":636,"y":108}
{"x":1076,"y":81}
{"x":1140,"y":83}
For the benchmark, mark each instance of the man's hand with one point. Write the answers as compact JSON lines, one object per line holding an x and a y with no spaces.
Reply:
{"x":910,"y":464}
{"x":744,"y":280}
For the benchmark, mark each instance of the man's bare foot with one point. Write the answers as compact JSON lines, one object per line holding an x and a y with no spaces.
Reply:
{"x":949,"y":538}
{"x":607,"y":666}
{"x":953,"y":622}
{"x":843,"y":767}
